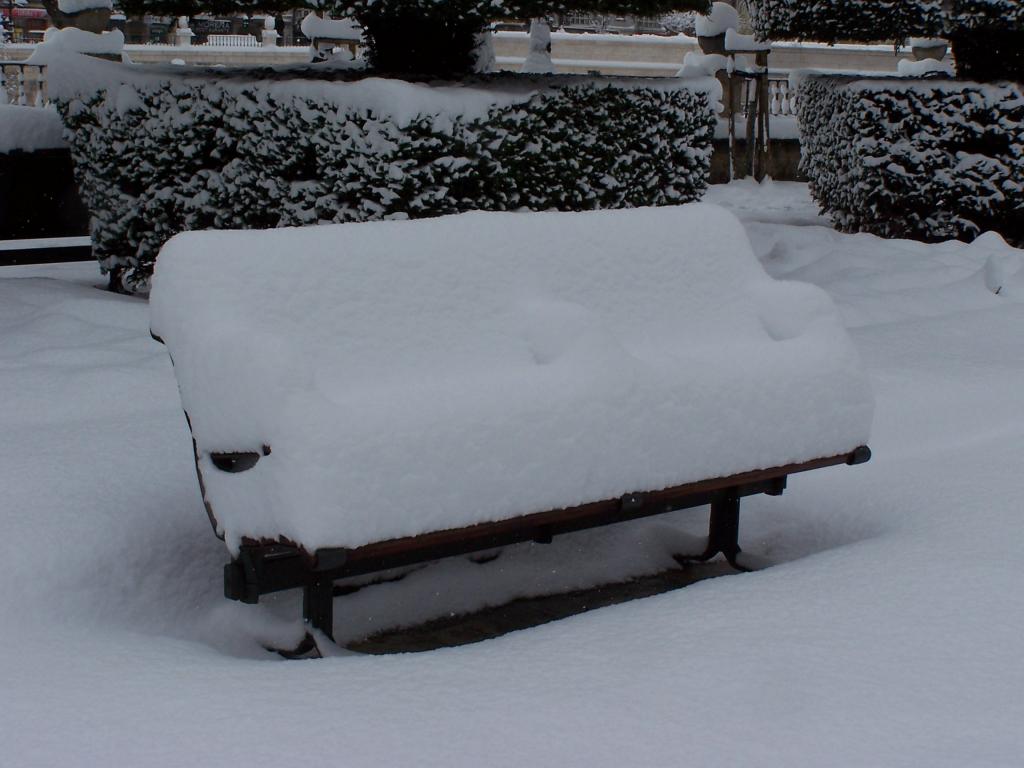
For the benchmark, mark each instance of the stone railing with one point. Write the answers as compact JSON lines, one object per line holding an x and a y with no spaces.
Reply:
{"x":781,"y":96}
{"x":644,"y":55}
{"x":22,"y":83}
{"x":234,"y":41}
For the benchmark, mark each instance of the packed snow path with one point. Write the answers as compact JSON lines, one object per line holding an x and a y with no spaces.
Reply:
{"x":889,"y":634}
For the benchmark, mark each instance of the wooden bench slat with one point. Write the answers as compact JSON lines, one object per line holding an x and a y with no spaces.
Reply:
{"x":581,"y":514}
{"x":265,"y":567}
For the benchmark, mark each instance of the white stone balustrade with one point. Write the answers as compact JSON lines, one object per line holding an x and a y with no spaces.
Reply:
{"x":234,"y":41}
{"x":781,"y":97}
{"x":22,"y":84}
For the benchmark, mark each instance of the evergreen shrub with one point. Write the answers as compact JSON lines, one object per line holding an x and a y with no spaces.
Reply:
{"x":987,"y":36}
{"x":925,"y":159}
{"x":155,"y":158}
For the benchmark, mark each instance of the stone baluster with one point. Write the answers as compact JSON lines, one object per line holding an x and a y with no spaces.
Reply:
{"x":183,"y":35}
{"x":774,"y":101}
{"x":269,"y":32}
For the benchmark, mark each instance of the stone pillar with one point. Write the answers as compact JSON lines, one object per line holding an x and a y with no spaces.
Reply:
{"x":538,"y":57}
{"x":183,"y":35}
{"x":269,"y":32}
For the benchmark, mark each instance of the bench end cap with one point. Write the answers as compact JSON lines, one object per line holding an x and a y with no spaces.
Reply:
{"x":860,"y":455}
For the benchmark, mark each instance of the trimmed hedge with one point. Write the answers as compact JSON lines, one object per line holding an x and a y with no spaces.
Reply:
{"x":835,"y":20}
{"x":160,"y":157}
{"x":987,"y":36}
{"x":923,"y":159}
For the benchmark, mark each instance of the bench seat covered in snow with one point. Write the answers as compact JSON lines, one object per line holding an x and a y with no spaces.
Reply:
{"x":364,"y":396}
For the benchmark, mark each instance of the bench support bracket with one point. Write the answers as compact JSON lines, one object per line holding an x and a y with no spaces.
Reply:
{"x":723,"y":531}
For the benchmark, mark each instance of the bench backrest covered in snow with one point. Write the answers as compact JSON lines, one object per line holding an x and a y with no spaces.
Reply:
{"x":360,"y":384}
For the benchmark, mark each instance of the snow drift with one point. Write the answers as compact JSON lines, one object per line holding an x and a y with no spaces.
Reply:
{"x":417,"y":376}
{"x":887,"y":635}
{"x":27,"y":129}
{"x":71,"y":40}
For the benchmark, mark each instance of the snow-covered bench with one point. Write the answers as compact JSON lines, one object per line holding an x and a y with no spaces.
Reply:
{"x":368,"y":396}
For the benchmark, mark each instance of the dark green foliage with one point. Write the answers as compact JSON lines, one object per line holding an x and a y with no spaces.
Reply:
{"x":835,"y":20}
{"x":831,"y":21}
{"x":196,"y":155}
{"x":989,"y":54}
{"x":422,"y":36}
{"x":595,"y":147}
{"x":987,"y":35}
{"x":930,"y":160}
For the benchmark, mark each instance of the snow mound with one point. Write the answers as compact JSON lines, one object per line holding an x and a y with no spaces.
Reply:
{"x":911,"y":68}
{"x":538,"y":57}
{"x":74,"y":40}
{"x":926,"y":42}
{"x":77,"y":6}
{"x":723,"y":17}
{"x":29,"y":128}
{"x":415,"y":376}
{"x":734,"y":41}
{"x":314,"y":27}
{"x":697,"y":64}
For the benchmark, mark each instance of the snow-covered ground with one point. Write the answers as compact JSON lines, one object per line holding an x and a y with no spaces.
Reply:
{"x":889,"y":633}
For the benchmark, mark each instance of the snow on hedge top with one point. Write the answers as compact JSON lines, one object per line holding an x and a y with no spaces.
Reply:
{"x":927,"y":42}
{"x":77,"y":6}
{"x":1007,"y":94}
{"x":29,"y":128}
{"x":911,"y":68}
{"x":722,"y":18}
{"x":422,"y":375}
{"x":315,"y":27}
{"x":734,"y":41}
{"x":58,"y":42}
{"x":72,"y":76}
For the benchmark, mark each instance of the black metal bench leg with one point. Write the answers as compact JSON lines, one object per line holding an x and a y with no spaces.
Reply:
{"x":724,"y":528}
{"x":723,"y":531}
{"x":318,"y":606}
{"x":318,"y":614}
